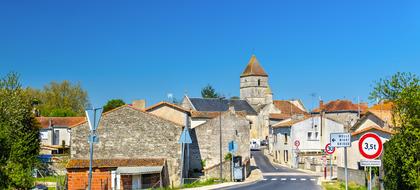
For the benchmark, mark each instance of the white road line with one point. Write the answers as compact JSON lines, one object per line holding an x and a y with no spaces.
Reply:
{"x":264,"y":179}
{"x":302,"y":179}
{"x":283,"y":179}
{"x":313,"y":179}
{"x":274,"y":179}
{"x":293,"y":179}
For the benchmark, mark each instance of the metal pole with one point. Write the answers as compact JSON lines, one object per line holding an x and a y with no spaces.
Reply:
{"x":91,"y":152}
{"x":345,"y":168}
{"x":331,"y":167}
{"x":182,"y":162}
{"x":370,"y":178}
{"x":90,"y":161}
{"x":220,"y":139}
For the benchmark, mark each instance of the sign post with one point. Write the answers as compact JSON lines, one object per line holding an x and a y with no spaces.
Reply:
{"x":340,"y":140}
{"x":93,"y":117}
{"x":233,"y":147}
{"x":330,"y":150}
{"x":297,"y":144}
{"x":183,"y":140}
{"x":370,"y":146}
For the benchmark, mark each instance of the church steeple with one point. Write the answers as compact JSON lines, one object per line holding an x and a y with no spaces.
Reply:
{"x":254,"y":84}
{"x":254,"y":68}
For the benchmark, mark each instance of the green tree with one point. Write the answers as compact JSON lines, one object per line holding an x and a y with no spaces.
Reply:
{"x":112,"y":104}
{"x":402,"y":152}
{"x":19,"y":135}
{"x":209,"y":92}
{"x":60,"y":99}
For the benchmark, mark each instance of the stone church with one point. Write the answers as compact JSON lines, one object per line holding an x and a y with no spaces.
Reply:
{"x":255,"y":89}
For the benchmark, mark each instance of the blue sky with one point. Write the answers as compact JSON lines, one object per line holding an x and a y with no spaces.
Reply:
{"x":147,"y":49}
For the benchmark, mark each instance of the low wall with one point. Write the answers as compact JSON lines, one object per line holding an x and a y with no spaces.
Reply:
{"x":356,"y":176}
{"x":214,"y":171}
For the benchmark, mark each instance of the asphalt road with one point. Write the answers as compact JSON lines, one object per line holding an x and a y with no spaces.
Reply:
{"x":278,"y":177}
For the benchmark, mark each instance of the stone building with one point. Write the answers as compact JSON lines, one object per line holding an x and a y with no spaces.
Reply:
{"x":344,"y":111}
{"x":136,"y":149}
{"x":205,"y":149}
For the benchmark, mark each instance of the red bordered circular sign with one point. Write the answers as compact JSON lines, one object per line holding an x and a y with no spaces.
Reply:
{"x":370,"y":146}
{"x":329,"y":149}
{"x":297,"y":143}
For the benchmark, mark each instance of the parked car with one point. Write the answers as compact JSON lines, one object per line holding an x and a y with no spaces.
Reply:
{"x":255,"y":144}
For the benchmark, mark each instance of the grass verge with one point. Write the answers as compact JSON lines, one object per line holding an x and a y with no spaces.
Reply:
{"x":337,"y":185}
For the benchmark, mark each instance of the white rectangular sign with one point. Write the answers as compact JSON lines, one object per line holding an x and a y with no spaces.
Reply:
{"x":371,"y":163}
{"x":340,"y":140}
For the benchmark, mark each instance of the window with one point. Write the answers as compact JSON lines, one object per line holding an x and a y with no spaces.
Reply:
{"x":313,"y":135}
{"x":285,"y":138}
{"x":259,"y":82}
{"x":286,"y":156}
{"x":44,"y":135}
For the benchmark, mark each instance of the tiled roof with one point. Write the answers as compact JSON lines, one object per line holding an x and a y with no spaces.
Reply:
{"x":341,"y":105}
{"x":114,"y":163}
{"x":151,"y":108}
{"x":279,"y":116}
{"x":287,"y":109}
{"x":217,"y":105}
{"x":382,"y":106}
{"x":253,"y":68}
{"x":290,"y":122}
{"x":373,"y":127}
{"x":59,"y":121}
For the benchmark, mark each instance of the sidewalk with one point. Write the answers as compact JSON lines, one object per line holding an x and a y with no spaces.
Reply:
{"x":254,"y":177}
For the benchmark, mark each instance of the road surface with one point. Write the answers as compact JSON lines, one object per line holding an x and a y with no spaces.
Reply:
{"x":278,"y":177}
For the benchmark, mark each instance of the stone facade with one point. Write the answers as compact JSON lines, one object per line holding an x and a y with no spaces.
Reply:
{"x":206,"y":141}
{"x":130,"y":133}
{"x":255,"y":90}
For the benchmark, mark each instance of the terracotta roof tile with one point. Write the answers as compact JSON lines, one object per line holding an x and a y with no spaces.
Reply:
{"x":342,"y":105}
{"x":253,"y":68}
{"x":59,"y":121}
{"x":373,"y":127}
{"x":290,"y":122}
{"x":287,"y":108}
{"x":383,"y":106}
{"x":114,"y":163}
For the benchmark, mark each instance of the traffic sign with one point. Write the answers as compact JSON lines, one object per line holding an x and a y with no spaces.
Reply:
{"x":340,"y":140}
{"x":185,"y":137}
{"x":329,"y":149}
{"x":297,"y":143}
{"x":233,"y":146}
{"x":371,"y":163}
{"x":370,"y":146}
{"x":93,"y":116}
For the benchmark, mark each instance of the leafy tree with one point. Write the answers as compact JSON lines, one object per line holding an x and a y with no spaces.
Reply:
{"x":19,"y":135}
{"x":209,"y":92}
{"x":112,"y":104}
{"x":402,"y":152}
{"x":235,"y":98}
{"x":60,"y":99}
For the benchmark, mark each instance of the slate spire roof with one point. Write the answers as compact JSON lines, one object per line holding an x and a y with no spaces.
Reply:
{"x":254,"y":68}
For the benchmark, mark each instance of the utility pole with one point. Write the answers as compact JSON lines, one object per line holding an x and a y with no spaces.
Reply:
{"x":220,"y":148}
{"x":93,"y":117}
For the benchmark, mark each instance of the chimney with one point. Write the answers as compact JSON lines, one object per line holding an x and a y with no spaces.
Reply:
{"x":139,"y":104}
{"x":231,"y":108}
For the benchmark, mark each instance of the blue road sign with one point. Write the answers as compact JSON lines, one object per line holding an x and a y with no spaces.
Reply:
{"x":185,"y":137}
{"x":93,"y":117}
{"x":233,"y":146}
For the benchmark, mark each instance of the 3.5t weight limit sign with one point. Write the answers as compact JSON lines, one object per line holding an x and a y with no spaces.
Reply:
{"x":370,"y":146}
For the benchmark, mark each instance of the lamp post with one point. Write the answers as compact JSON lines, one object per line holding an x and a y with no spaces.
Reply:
{"x":93,"y":116}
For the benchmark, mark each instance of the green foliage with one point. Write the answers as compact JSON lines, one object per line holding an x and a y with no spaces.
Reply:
{"x":112,"y":104}
{"x":203,"y":163}
{"x":209,"y":92}
{"x":228,"y":156}
{"x":200,"y":183}
{"x":235,"y":98}
{"x":340,"y":185}
{"x":60,"y":99}
{"x":401,"y":155}
{"x":19,"y":135}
